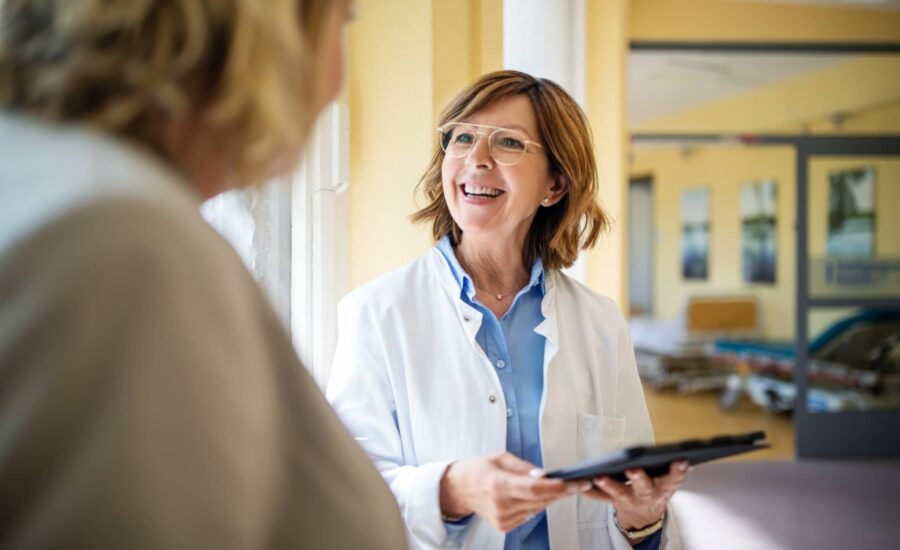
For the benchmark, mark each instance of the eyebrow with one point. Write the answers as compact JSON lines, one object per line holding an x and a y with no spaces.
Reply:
{"x":509,"y":126}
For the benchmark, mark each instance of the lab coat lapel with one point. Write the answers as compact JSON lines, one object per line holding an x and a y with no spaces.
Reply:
{"x":548,"y":327}
{"x":469,"y":317}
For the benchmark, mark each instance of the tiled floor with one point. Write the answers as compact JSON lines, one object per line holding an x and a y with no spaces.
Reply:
{"x":698,"y":415}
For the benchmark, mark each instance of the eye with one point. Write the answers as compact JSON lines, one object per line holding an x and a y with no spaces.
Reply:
{"x":509,"y":142}
{"x":463,"y":138}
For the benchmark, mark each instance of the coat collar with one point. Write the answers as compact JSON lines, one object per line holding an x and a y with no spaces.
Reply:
{"x":442,"y":270}
{"x":464,"y":281}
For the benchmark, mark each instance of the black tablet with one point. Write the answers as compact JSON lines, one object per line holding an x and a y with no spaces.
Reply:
{"x":655,"y":460}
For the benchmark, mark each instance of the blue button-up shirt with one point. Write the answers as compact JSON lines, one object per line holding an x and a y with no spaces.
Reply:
{"x":516,"y":352}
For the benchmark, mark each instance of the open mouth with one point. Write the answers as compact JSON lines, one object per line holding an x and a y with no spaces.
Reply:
{"x":479,"y":192}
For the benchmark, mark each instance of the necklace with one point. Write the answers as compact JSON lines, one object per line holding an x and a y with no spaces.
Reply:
{"x":495,"y":295}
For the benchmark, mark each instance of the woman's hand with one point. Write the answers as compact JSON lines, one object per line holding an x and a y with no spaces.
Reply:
{"x":502,"y":488}
{"x":643,"y":500}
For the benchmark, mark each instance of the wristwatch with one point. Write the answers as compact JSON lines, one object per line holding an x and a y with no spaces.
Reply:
{"x":634,"y":534}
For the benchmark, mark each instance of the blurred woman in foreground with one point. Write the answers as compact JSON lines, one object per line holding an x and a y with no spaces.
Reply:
{"x":149,"y":396}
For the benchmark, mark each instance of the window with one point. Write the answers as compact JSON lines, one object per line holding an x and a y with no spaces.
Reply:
{"x":292,"y":235}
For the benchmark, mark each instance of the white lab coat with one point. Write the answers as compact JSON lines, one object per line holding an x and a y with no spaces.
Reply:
{"x":416,"y":390}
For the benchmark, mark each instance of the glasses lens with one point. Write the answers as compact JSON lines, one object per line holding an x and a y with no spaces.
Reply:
{"x":507,"y":146}
{"x":457,"y":139}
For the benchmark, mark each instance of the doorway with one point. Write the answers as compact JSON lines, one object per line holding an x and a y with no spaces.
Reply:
{"x":641,"y":246}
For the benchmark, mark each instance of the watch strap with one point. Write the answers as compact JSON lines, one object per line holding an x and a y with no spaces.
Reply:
{"x":633,"y":534}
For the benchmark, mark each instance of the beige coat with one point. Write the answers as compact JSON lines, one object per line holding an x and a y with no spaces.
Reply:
{"x":149,"y":396}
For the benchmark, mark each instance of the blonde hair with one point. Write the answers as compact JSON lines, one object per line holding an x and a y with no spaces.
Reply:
{"x":244,"y":68}
{"x":558,"y":231}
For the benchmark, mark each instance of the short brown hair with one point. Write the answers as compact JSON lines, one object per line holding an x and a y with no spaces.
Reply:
{"x":245,"y":68}
{"x":558,"y":231}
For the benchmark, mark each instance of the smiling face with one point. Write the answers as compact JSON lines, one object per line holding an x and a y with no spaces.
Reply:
{"x":489,"y":200}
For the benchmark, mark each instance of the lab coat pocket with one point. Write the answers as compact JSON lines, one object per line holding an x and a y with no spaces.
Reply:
{"x":597,"y":435}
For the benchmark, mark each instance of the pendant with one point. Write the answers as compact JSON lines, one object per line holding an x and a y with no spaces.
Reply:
{"x":499,"y":297}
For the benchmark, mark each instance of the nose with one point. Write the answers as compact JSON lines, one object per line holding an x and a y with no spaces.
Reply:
{"x":480,"y":154}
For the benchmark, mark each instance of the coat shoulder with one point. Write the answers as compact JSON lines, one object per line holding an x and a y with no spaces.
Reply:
{"x":578,"y":295}
{"x":404,"y":286}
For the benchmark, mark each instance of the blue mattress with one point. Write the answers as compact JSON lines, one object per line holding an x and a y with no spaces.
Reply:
{"x":784,"y":351}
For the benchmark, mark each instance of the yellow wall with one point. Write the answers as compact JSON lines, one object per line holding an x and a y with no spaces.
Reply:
{"x":606,"y":105}
{"x":722,"y":170}
{"x":880,"y":119}
{"x":741,"y":21}
{"x":407,"y":59}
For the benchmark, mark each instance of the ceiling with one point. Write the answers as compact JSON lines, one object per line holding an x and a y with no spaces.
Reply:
{"x":662,"y":83}
{"x":855,"y":4}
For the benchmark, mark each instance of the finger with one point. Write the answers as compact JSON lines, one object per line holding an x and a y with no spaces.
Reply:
{"x":528,"y":488}
{"x":641,"y":483}
{"x":611,"y":487}
{"x":515,"y":506}
{"x":509,"y":523}
{"x":575,"y":487}
{"x":515,"y":512}
{"x":676,"y":476}
{"x":514,"y":464}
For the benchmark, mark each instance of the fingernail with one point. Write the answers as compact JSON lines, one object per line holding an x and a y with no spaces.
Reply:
{"x":536,"y":472}
{"x":585,"y":487}
{"x":685,"y":467}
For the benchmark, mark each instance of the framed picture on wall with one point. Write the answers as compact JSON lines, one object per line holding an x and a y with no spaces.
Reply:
{"x":851,"y":213}
{"x":758,"y":231}
{"x":695,"y":234}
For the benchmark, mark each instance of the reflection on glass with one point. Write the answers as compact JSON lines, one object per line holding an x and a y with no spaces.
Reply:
{"x":854,"y":220}
{"x":855,"y":363}
{"x":851,"y":213}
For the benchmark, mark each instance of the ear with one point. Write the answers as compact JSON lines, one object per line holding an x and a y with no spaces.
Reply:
{"x":557,"y":191}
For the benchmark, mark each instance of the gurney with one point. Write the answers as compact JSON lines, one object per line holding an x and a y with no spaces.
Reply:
{"x":676,"y":353}
{"x":853,"y":365}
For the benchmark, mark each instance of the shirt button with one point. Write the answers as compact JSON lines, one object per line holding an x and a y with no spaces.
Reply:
{"x":501,"y":363}
{"x":492,"y":398}
{"x":508,"y":413}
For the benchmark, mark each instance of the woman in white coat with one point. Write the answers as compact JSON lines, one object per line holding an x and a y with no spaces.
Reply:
{"x":470,"y":371}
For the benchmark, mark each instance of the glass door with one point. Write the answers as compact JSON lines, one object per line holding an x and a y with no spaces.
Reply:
{"x":848,"y":297}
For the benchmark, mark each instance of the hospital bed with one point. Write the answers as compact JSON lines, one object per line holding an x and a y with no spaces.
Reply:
{"x":676,"y":353}
{"x":854,"y":365}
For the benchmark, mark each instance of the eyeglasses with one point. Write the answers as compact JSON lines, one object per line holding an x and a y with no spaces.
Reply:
{"x":507,"y":146}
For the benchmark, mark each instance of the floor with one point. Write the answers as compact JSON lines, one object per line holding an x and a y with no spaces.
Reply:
{"x":697,"y":416}
{"x":790,"y":505}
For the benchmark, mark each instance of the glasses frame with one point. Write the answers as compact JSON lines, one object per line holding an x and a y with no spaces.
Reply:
{"x":493,"y":130}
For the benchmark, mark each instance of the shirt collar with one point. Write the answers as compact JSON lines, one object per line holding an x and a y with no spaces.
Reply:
{"x":467,"y":287}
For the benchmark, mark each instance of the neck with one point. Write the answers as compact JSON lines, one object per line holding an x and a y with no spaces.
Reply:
{"x":200,"y":157}
{"x":494,"y":265}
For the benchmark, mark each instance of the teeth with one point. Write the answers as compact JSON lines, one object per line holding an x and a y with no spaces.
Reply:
{"x":473,"y":190}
